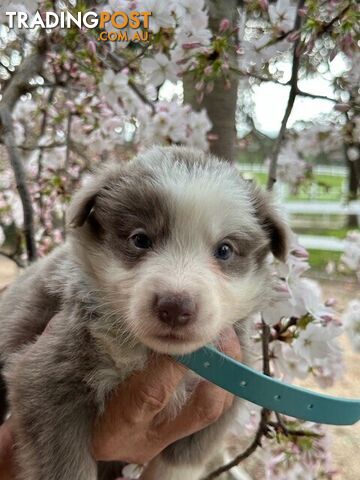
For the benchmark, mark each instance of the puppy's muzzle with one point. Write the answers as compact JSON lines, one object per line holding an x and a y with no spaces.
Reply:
{"x":175,"y":310}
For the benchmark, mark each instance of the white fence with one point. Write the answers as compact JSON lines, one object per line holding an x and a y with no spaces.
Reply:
{"x":314,"y":191}
{"x":313,"y":206}
{"x":332,"y":170}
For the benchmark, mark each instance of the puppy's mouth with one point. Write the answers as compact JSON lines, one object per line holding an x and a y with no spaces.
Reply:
{"x":173,"y":343}
{"x":171,"y":338}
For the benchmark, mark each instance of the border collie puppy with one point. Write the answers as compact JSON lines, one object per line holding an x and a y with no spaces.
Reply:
{"x":162,"y":254}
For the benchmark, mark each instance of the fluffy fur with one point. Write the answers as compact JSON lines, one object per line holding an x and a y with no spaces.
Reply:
{"x":102,"y":289}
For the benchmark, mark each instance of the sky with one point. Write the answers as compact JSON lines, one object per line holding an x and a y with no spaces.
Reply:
{"x":270,"y":99}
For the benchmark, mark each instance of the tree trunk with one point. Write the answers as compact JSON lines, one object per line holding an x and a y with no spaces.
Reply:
{"x":220,"y":104}
{"x":353,"y":171}
{"x":353,"y":189}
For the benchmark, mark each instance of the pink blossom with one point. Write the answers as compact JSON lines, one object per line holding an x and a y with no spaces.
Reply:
{"x":91,"y":45}
{"x":224,"y":25}
{"x":264,"y":5}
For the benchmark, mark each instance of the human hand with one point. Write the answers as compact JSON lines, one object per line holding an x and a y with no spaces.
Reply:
{"x":130,"y":429}
{"x":7,"y":466}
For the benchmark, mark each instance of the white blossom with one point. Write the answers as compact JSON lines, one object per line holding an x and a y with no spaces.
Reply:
{"x":193,"y":23}
{"x":315,"y":342}
{"x":158,"y":69}
{"x":319,"y":139}
{"x":2,"y":236}
{"x":189,"y":11}
{"x":199,"y":126}
{"x":356,"y":132}
{"x":288,"y":364}
{"x":28,"y":6}
{"x":177,"y":123}
{"x":291,"y":168}
{"x":351,"y":255}
{"x":282,"y":15}
{"x":351,"y":319}
{"x":249,"y":57}
{"x":353,"y":154}
{"x":161,"y":14}
{"x":112,"y":86}
{"x":313,"y":346}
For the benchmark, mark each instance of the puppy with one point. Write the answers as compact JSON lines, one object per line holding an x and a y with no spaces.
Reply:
{"x":162,"y":254}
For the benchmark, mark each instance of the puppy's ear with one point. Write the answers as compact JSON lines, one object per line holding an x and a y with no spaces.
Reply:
{"x":82,"y":204}
{"x":271,"y":221}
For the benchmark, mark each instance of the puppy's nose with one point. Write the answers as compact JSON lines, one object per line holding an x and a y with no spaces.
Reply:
{"x":175,"y":310}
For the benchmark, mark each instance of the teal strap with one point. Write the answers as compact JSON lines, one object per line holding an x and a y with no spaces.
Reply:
{"x":269,"y":392}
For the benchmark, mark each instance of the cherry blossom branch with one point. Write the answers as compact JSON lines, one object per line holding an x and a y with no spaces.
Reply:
{"x":276,"y":39}
{"x":10,"y":72}
{"x":292,"y":95}
{"x":43,"y":125}
{"x":44,"y":119}
{"x":142,"y":97}
{"x":289,"y":432}
{"x":120,"y":66}
{"x":41,"y":147}
{"x":249,"y":451}
{"x":316,"y":96}
{"x":263,"y":429}
{"x":300,"y":92}
{"x":325,"y":28}
{"x":68,"y":140}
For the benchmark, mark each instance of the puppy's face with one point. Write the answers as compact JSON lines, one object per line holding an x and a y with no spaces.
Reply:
{"x":178,"y":242}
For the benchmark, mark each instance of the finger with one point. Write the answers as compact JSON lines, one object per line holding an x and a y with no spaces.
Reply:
{"x":229,"y":400}
{"x":206,"y":405}
{"x":6,"y":439}
{"x":134,"y":404}
{"x":145,"y":393}
{"x":229,"y":344}
{"x":6,"y":451}
{"x":152,"y":388}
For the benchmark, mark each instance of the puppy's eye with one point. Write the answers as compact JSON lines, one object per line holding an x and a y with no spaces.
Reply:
{"x":224,"y":251}
{"x":141,"y":241}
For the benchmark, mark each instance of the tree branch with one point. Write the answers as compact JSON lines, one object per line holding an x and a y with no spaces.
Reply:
{"x":7,"y":130}
{"x":242,"y":456}
{"x":17,"y":86}
{"x":328,"y":26}
{"x":300,"y":92}
{"x":289,"y":432}
{"x":292,"y":95}
{"x":131,"y":83}
{"x":68,"y":140}
{"x":265,"y":414}
{"x":315,"y":96}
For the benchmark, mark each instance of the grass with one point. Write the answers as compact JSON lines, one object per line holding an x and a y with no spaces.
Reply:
{"x":319,"y":259}
{"x":325,"y":232}
{"x":329,"y":187}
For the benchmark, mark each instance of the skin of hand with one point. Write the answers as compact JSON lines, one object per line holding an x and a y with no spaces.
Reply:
{"x":7,"y":467}
{"x":132,"y":413}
